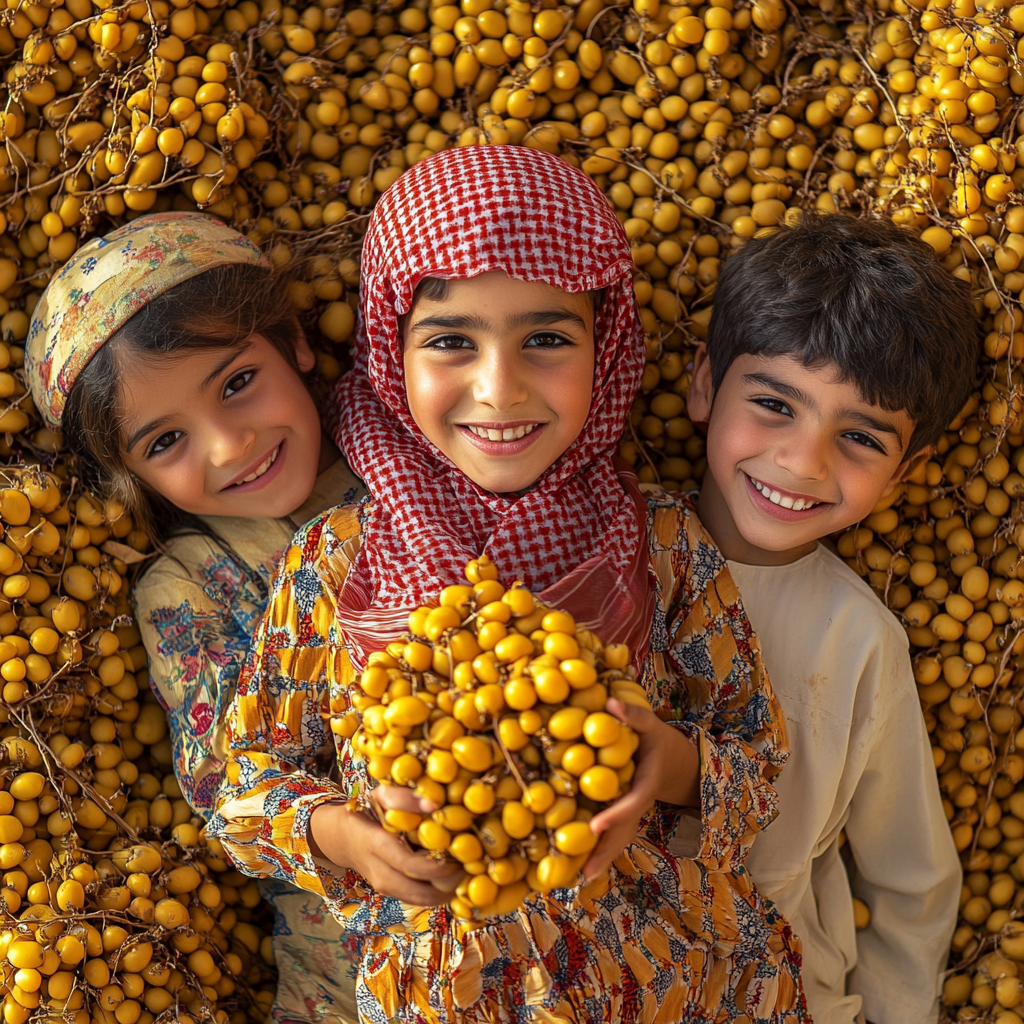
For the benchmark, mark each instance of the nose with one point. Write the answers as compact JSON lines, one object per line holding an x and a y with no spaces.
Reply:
{"x":501,"y":380}
{"x":228,"y":442}
{"x":804,"y":454}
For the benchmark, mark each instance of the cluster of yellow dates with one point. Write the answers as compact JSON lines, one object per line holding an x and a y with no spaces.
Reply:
{"x":113,"y":907}
{"x":494,"y":709}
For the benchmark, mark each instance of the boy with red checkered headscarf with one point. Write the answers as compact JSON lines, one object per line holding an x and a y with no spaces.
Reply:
{"x":499,"y":353}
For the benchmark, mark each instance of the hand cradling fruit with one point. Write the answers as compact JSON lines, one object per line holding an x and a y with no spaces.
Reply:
{"x":493,"y":707}
{"x":704,"y":124}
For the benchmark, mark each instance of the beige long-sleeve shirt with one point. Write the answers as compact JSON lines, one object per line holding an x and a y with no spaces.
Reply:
{"x":861,"y":761}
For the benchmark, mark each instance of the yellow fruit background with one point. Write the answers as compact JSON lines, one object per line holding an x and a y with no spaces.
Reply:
{"x":705,"y":124}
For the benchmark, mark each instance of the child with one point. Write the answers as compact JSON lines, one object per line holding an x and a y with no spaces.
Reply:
{"x":837,"y":352}
{"x":499,"y":354}
{"x":175,"y":371}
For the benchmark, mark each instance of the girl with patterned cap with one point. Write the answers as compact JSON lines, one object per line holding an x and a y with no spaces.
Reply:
{"x":499,"y":352}
{"x":176,"y":373}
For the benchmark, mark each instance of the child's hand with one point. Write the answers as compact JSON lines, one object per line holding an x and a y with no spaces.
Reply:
{"x":353,"y":840}
{"x":668,"y":769}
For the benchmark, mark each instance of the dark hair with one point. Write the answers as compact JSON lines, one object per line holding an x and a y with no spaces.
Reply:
{"x":866,"y":296}
{"x":216,"y":309}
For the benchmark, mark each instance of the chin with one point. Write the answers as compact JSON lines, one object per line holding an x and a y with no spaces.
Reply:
{"x":769,"y":539}
{"x":496,"y":484}
{"x":497,"y":480}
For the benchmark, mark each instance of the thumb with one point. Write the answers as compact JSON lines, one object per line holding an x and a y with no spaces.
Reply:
{"x":398,"y":798}
{"x":638,"y":719}
{"x":633,"y":804}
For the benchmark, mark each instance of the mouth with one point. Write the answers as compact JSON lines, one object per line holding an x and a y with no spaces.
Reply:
{"x":501,"y":433}
{"x":784,"y":498}
{"x":783,"y":504}
{"x":502,"y":439}
{"x":258,"y":471}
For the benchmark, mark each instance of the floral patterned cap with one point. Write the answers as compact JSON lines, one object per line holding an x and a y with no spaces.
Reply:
{"x":108,"y":281}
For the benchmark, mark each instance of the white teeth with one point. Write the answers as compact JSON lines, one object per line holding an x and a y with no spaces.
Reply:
{"x":506,"y":434}
{"x":796,"y":504}
{"x":262,"y":467}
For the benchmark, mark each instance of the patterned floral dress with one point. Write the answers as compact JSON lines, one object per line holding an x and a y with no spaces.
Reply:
{"x":656,"y":939}
{"x":197,"y":608}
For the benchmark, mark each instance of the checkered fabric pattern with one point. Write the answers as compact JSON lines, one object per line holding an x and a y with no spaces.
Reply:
{"x":107,"y":281}
{"x":455,"y":215}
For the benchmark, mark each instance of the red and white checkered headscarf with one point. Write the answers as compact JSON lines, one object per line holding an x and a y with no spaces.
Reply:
{"x":579,"y":533}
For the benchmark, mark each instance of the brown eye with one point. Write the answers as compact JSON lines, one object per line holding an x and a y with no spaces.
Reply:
{"x":449,"y":343}
{"x":237,"y":382}
{"x":547,"y":339}
{"x":773,"y":405}
{"x":864,"y":440}
{"x":163,"y":442}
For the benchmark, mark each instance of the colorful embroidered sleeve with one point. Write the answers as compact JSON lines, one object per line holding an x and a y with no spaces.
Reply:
{"x":281,"y":751}
{"x":716,"y":692}
{"x":196,"y":627}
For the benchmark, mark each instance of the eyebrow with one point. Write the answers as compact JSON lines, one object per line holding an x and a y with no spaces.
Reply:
{"x":137,"y":435}
{"x":450,"y":323}
{"x":224,"y":364}
{"x":534,"y":318}
{"x":766,"y":380}
{"x":869,"y":421}
{"x":546,"y":317}
{"x":795,"y":394}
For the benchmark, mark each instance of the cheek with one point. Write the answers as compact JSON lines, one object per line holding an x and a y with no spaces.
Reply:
{"x":733,"y":441}
{"x":576,"y":404}
{"x":862,"y":485}
{"x":288,"y":404}
{"x":180,"y":483}
{"x":569,"y":392}
{"x":430,"y":393}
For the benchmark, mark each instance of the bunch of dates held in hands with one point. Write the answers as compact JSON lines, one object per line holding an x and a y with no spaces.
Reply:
{"x":493,"y":708}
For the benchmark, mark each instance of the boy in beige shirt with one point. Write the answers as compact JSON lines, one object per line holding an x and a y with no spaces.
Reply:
{"x":837,"y":352}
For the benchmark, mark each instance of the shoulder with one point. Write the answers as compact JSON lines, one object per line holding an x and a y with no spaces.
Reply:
{"x":335,"y":526}
{"x":328,"y":543}
{"x":181,"y":569}
{"x":848,"y":592}
{"x":818,"y":612}
{"x":671,"y":518}
{"x":863,"y":641}
{"x":208,"y":562}
{"x":692,"y":574}
{"x":681,"y":549}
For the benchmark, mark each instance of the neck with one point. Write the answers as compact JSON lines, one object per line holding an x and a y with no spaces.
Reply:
{"x":717,"y":519}
{"x":329,"y":454}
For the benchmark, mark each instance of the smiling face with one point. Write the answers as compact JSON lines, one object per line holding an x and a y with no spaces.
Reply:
{"x":794,"y":454}
{"x":225,"y":431}
{"x":500,"y":375}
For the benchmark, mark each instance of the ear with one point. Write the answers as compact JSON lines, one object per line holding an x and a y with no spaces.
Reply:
{"x":908,"y":467}
{"x":916,"y":463}
{"x":303,"y":353}
{"x":702,"y":391}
